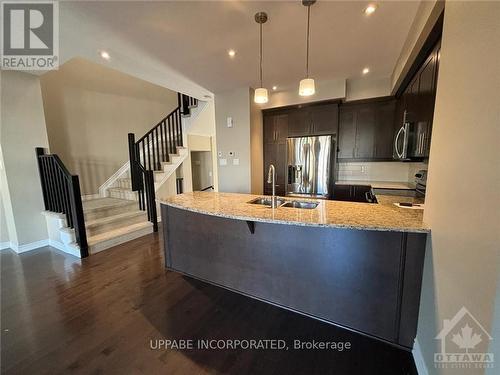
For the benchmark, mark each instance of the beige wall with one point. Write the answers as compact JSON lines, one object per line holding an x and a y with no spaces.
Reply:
{"x":256,"y":147}
{"x":201,"y":136}
{"x":89,"y":110}
{"x":22,"y":129}
{"x":235,"y":104}
{"x":462,"y":203}
{"x":325,"y":90}
{"x":4,"y":233}
{"x":367,"y":87}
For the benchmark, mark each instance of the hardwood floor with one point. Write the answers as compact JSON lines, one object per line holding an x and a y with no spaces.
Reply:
{"x":102,"y":314}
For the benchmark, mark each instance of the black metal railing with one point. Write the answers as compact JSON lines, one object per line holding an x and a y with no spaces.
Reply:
{"x":186,"y":102}
{"x":151,"y":150}
{"x":62,"y":194}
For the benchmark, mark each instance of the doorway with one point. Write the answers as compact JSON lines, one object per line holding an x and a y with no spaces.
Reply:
{"x":201,"y":170}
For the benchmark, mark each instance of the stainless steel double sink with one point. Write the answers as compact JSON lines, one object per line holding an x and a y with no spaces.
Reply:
{"x":280,"y":202}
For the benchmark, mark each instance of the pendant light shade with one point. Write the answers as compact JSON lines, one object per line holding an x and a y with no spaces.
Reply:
{"x":260,"y":95}
{"x":306,"y":86}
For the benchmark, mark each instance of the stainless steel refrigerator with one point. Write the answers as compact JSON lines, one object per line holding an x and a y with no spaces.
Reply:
{"x":311,"y":163}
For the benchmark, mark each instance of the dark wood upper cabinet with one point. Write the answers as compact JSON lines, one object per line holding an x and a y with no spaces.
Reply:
{"x":384,"y":134}
{"x":275,"y":128}
{"x":417,"y":101}
{"x":366,"y":130}
{"x":275,"y":134}
{"x":324,"y":119}
{"x":321,"y":119}
{"x":347,"y":133}
{"x":299,"y":123}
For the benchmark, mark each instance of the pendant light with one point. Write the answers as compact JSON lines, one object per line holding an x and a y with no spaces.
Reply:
{"x":260,"y":95}
{"x":306,"y":86}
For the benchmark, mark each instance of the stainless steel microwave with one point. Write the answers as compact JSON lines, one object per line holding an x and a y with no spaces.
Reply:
{"x":412,"y":140}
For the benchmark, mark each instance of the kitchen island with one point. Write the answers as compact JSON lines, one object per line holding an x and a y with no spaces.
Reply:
{"x":356,"y":265}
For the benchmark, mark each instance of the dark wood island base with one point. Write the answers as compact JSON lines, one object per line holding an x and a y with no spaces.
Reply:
{"x":364,"y":280}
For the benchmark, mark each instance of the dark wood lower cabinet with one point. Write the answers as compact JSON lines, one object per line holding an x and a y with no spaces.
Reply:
{"x":367,"y":281}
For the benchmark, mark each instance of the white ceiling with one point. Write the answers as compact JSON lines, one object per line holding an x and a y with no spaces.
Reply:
{"x":193,"y":38}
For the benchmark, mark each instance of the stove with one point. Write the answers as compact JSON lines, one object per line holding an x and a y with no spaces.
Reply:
{"x":421,"y":183}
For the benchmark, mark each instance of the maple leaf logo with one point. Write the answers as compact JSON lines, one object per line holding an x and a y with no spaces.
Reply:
{"x":466,"y":340}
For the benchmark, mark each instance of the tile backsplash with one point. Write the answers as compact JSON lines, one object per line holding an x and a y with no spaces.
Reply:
{"x":379,"y":171}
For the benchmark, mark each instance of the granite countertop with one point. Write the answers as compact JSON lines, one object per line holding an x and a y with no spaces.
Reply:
{"x":380,"y":184}
{"x":384,"y":216}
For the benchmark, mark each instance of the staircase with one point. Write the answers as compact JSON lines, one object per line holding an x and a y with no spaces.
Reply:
{"x":112,"y":221}
{"x":122,"y":187}
{"x":127,"y":207}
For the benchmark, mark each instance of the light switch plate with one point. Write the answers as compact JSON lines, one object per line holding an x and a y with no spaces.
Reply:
{"x":222,"y":161}
{"x":236,"y":161}
{"x":229,"y":122}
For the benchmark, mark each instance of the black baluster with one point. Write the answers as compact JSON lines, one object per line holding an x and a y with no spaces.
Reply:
{"x":48,"y":171}
{"x":149,"y":152}
{"x":152,"y":202}
{"x":153,"y":147}
{"x":167,"y":137}
{"x":69,"y":213}
{"x":78,"y":218}
{"x":39,"y":152}
{"x":181,"y":140}
{"x":161,"y":142}
{"x":53,"y":183}
{"x":158,"y":150}
{"x":171,"y":133}
{"x":60,"y":189}
{"x":143,"y":156}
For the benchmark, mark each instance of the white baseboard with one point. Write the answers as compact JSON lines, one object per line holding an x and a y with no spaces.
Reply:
{"x":418,"y":358}
{"x":26,"y":247}
{"x":65,"y":249}
{"x":4,"y":245}
{"x":38,"y":244}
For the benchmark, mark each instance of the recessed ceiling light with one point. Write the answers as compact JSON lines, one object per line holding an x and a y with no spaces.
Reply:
{"x":105,"y":55}
{"x":275,"y":88}
{"x":366,"y":70}
{"x":231,"y":53}
{"x":370,"y":9}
